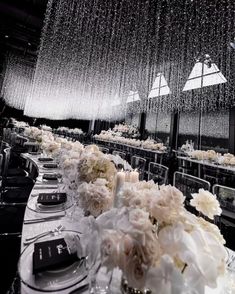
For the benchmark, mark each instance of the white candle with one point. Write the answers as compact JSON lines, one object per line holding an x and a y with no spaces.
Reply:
{"x":120,"y":180}
{"x":134,"y":177}
{"x":127,"y":178}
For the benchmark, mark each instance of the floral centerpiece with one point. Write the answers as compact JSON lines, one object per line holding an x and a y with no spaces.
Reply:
{"x":125,"y":130}
{"x":177,"y":253}
{"x":33,"y":133}
{"x":90,"y":174}
{"x":62,"y":129}
{"x":187,"y":147}
{"x":211,"y":155}
{"x":151,"y":144}
{"x":20,"y":124}
{"x":76,"y":131}
{"x":227,"y":159}
{"x":204,"y":155}
{"x":46,"y":128}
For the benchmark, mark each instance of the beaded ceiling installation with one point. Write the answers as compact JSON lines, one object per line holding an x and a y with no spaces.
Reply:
{"x":17,"y":81}
{"x":93,"y":50}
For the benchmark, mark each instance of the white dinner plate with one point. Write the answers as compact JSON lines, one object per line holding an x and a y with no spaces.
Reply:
{"x":51,"y":280}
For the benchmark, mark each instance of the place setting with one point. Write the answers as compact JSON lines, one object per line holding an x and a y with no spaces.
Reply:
{"x":49,"y":262}
{"x":50,"y":202}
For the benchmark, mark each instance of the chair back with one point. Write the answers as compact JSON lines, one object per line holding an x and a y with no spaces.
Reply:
{"x":21,"y":140}
{"x":32,"y":146}
{"x":104,"y":150}
{"x":226,"y":196}
{"x":6,"y":160}
{"x":189,"y":184}
{"x":6,"y":134}
{"x":186,"y":166}
{"x":13,"y":137}
{"x":211,"y":174}
{"x":139,"y":164}
{"x":3,"y":145}
{"x":121,"y":154}
{"x":158,"y":173}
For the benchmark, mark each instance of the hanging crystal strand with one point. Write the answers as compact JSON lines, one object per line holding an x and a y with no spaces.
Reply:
{"x":17,"y":81}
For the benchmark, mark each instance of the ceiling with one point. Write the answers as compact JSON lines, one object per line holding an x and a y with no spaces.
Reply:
{"x":20,"y":25}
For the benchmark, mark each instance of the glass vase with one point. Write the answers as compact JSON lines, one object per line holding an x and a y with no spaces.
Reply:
{"x":126,"y":289}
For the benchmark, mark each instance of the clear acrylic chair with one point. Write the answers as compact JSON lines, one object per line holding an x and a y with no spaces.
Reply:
{"x":139,"y":164}
{"x":158,"y":173}
{"x":32,"y":146}
{"x":121,"y":154}
{"x":226,"y":222}
{"x":104,"y":150}
{"x":189,"y":184}
{"x":226,"y":197}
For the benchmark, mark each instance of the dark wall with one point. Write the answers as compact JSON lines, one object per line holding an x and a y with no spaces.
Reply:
{"x":18,"y":114}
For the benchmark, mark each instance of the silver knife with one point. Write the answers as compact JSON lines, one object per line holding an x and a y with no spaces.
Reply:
{"x":43,"y":219}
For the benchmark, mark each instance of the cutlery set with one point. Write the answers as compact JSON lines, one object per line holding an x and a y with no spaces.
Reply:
{"x":43,"y":219}
{"x":57,"y":230}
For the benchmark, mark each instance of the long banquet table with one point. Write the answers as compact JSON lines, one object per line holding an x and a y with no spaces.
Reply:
{"x":30,"y":230}
{"x":207,"y":163}
{"x":157,"y":153}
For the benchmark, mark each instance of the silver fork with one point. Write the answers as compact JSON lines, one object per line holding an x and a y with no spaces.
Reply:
{"x":32,"y":239}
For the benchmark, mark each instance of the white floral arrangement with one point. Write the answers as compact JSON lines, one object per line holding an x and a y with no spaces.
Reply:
{"x":20,"y":124}
{"x":95,"y":198}
{"x":187,"y":147}
{"x":85,"y":172}
{"x":151,"y":144}
{"x":204,"y":155}
{"x":227,"y":159}
{"x":33,"y":133}
{"x":94,"y":164}
{"x":50,"y":147}
{"x":62,"y":129}
{"x":126,"y":129}
{"x":46,"y":128}
{"x":177,"y":253}
{"x":76,"y":131}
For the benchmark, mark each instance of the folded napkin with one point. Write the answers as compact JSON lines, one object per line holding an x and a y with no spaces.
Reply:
{"x":52,"y":255}
{"x":50,"y":165}
{"x":50,"y":176}
{"x":45,"y":159}
{"x":52,"y":198}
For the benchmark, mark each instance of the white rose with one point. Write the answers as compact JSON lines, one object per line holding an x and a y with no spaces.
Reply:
{"x":140,"y":219}
{"x":206,"y":203}
{"x":109,"y":249}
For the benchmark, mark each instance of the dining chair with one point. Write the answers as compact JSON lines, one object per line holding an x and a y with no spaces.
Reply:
{"x":226,"y":197}
{"x":120,"y":153}
{"x":189,"y":184}
{"x":32,"y":146}
{"x":158,"y":173}
{"x":14,"y":177}
{"x":184,"y":165}
{"x":139,"y":164}
{"x":210,"y":174}
{"x":104,"y":150}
